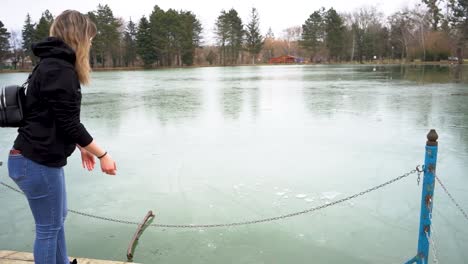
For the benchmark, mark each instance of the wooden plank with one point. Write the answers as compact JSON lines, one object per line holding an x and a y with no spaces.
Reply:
{"x":23,"y":256}
{"x":15,"y":257}
{"x":11,"y":261}
{"x":5,"y":253}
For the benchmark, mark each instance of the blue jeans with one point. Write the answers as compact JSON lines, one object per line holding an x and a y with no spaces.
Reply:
{"x":44,"y":188}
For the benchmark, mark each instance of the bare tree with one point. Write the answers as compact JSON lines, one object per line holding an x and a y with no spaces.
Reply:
{"x":402,"y":29}
{"x":422,"y":23}
{"x":16,"y":47}
{"x":291,"y":37}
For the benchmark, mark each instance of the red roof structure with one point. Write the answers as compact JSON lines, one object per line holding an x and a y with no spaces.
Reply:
{"x":282,"y":59}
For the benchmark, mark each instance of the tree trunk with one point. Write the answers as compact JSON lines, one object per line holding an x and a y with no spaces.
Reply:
{"x":460,"y":54}
{"x":423,"y":43}
{"x":406,"y":50}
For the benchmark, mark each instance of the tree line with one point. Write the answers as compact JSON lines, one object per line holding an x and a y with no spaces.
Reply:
{"x":430,"y":31}
{"x":165,"y":38}
{"x":424,"y":33}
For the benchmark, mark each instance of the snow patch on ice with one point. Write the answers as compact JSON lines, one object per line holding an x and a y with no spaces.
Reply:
{"x":329,"y":195}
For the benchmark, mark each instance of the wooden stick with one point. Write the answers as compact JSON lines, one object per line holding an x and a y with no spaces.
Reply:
{"x":137,"y":235}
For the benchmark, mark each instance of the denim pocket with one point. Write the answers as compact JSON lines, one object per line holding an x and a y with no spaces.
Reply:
{"x":16,"y":167}
{"x":30,"y":176}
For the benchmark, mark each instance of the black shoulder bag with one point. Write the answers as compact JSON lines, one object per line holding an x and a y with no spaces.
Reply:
{"x":11,"y":103}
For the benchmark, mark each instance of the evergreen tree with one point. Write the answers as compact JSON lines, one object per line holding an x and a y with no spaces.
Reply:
{"x":313,"y":32}
{"x":229,"y":32}
{"x":176,"y":34}
{"x":254,"y":40}
{"x":4,"y":43}
{"x":172,"y":37}
{"x":43,"y":27}
{"x":130,"y":44}
{"x":158,"y":32}
{"x":222,"y":31}
{"x":434,"y":10}
{"x":191,"y":36}
{"x":144,"y":43}
{"x":28,"y":34}
{"x":334,"y":32}
{"x":106,"y":42}
{"x":236,"y":35}
{"x":365,"y":27}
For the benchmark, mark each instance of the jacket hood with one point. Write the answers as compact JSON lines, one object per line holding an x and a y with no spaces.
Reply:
{"x":53,"y":47}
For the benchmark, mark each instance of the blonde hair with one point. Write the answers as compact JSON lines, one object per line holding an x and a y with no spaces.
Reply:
{"x":76,"y":30}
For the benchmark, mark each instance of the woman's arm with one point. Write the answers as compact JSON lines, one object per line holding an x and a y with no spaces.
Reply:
{"x":60,"y":90}
{"x":107,"y":163}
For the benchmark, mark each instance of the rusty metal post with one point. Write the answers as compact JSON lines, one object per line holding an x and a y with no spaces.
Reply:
{"x":427,"y":199}
{"x":136,"y":236}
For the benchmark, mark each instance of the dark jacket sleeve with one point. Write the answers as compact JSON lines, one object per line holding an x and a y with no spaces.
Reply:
{"x":60,"y":89}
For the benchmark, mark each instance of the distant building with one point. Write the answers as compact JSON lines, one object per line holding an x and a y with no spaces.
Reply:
{"x":26,"y":63}
{"x":6,"y":64}
{"x":319,"y":58}
{"x":282,"y":60}
{"x":299,"y":60}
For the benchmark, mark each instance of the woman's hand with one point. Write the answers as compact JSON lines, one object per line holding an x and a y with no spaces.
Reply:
{"x":87,"y":159}
{"x":108,"y":165}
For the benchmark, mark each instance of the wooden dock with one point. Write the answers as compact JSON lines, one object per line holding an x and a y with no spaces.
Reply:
{"x":15,"y":257}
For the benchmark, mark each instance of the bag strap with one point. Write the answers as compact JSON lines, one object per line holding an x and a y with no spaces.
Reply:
{"x":26,"y":83}
{"x":30,"y":75}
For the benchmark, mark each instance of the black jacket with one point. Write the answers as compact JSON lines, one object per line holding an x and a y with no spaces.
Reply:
{"x":52,"y":126}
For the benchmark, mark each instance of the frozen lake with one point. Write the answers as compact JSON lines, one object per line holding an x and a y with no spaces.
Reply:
{"x":218,"y":145}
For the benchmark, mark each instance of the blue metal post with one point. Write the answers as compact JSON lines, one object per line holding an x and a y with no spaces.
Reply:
{"x":427,"y":199}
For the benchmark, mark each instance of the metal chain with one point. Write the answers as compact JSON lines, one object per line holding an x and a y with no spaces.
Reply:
{"x":434,"y":250}
{"x":451,"y":197}
{"x":11,"y":188}
{"x":419,"y":173}
{"x":431,"y":238}
{"x":108,"y":219}
{"x":244,"y":222}
{"x":292,"y":214}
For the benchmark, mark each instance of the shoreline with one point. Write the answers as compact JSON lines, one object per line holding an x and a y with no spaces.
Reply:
{"x":141,"y":68}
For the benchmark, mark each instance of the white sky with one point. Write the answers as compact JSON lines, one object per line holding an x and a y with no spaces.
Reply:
{"x":275,"y":14}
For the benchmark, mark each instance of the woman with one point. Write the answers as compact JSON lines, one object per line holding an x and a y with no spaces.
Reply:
{"x":52,"y":130}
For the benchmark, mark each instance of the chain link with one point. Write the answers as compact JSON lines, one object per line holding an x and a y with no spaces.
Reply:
{"x":419,"y":173}
{"x":244,"y":222}
{"x":451,"y":198}
{"x":431,"y":238}
{"x":434,"y":250}
{"x":108,"y":219}
{"x":11,"y":188}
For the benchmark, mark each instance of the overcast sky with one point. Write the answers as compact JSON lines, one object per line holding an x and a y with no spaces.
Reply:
{"x":273,"y":13}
